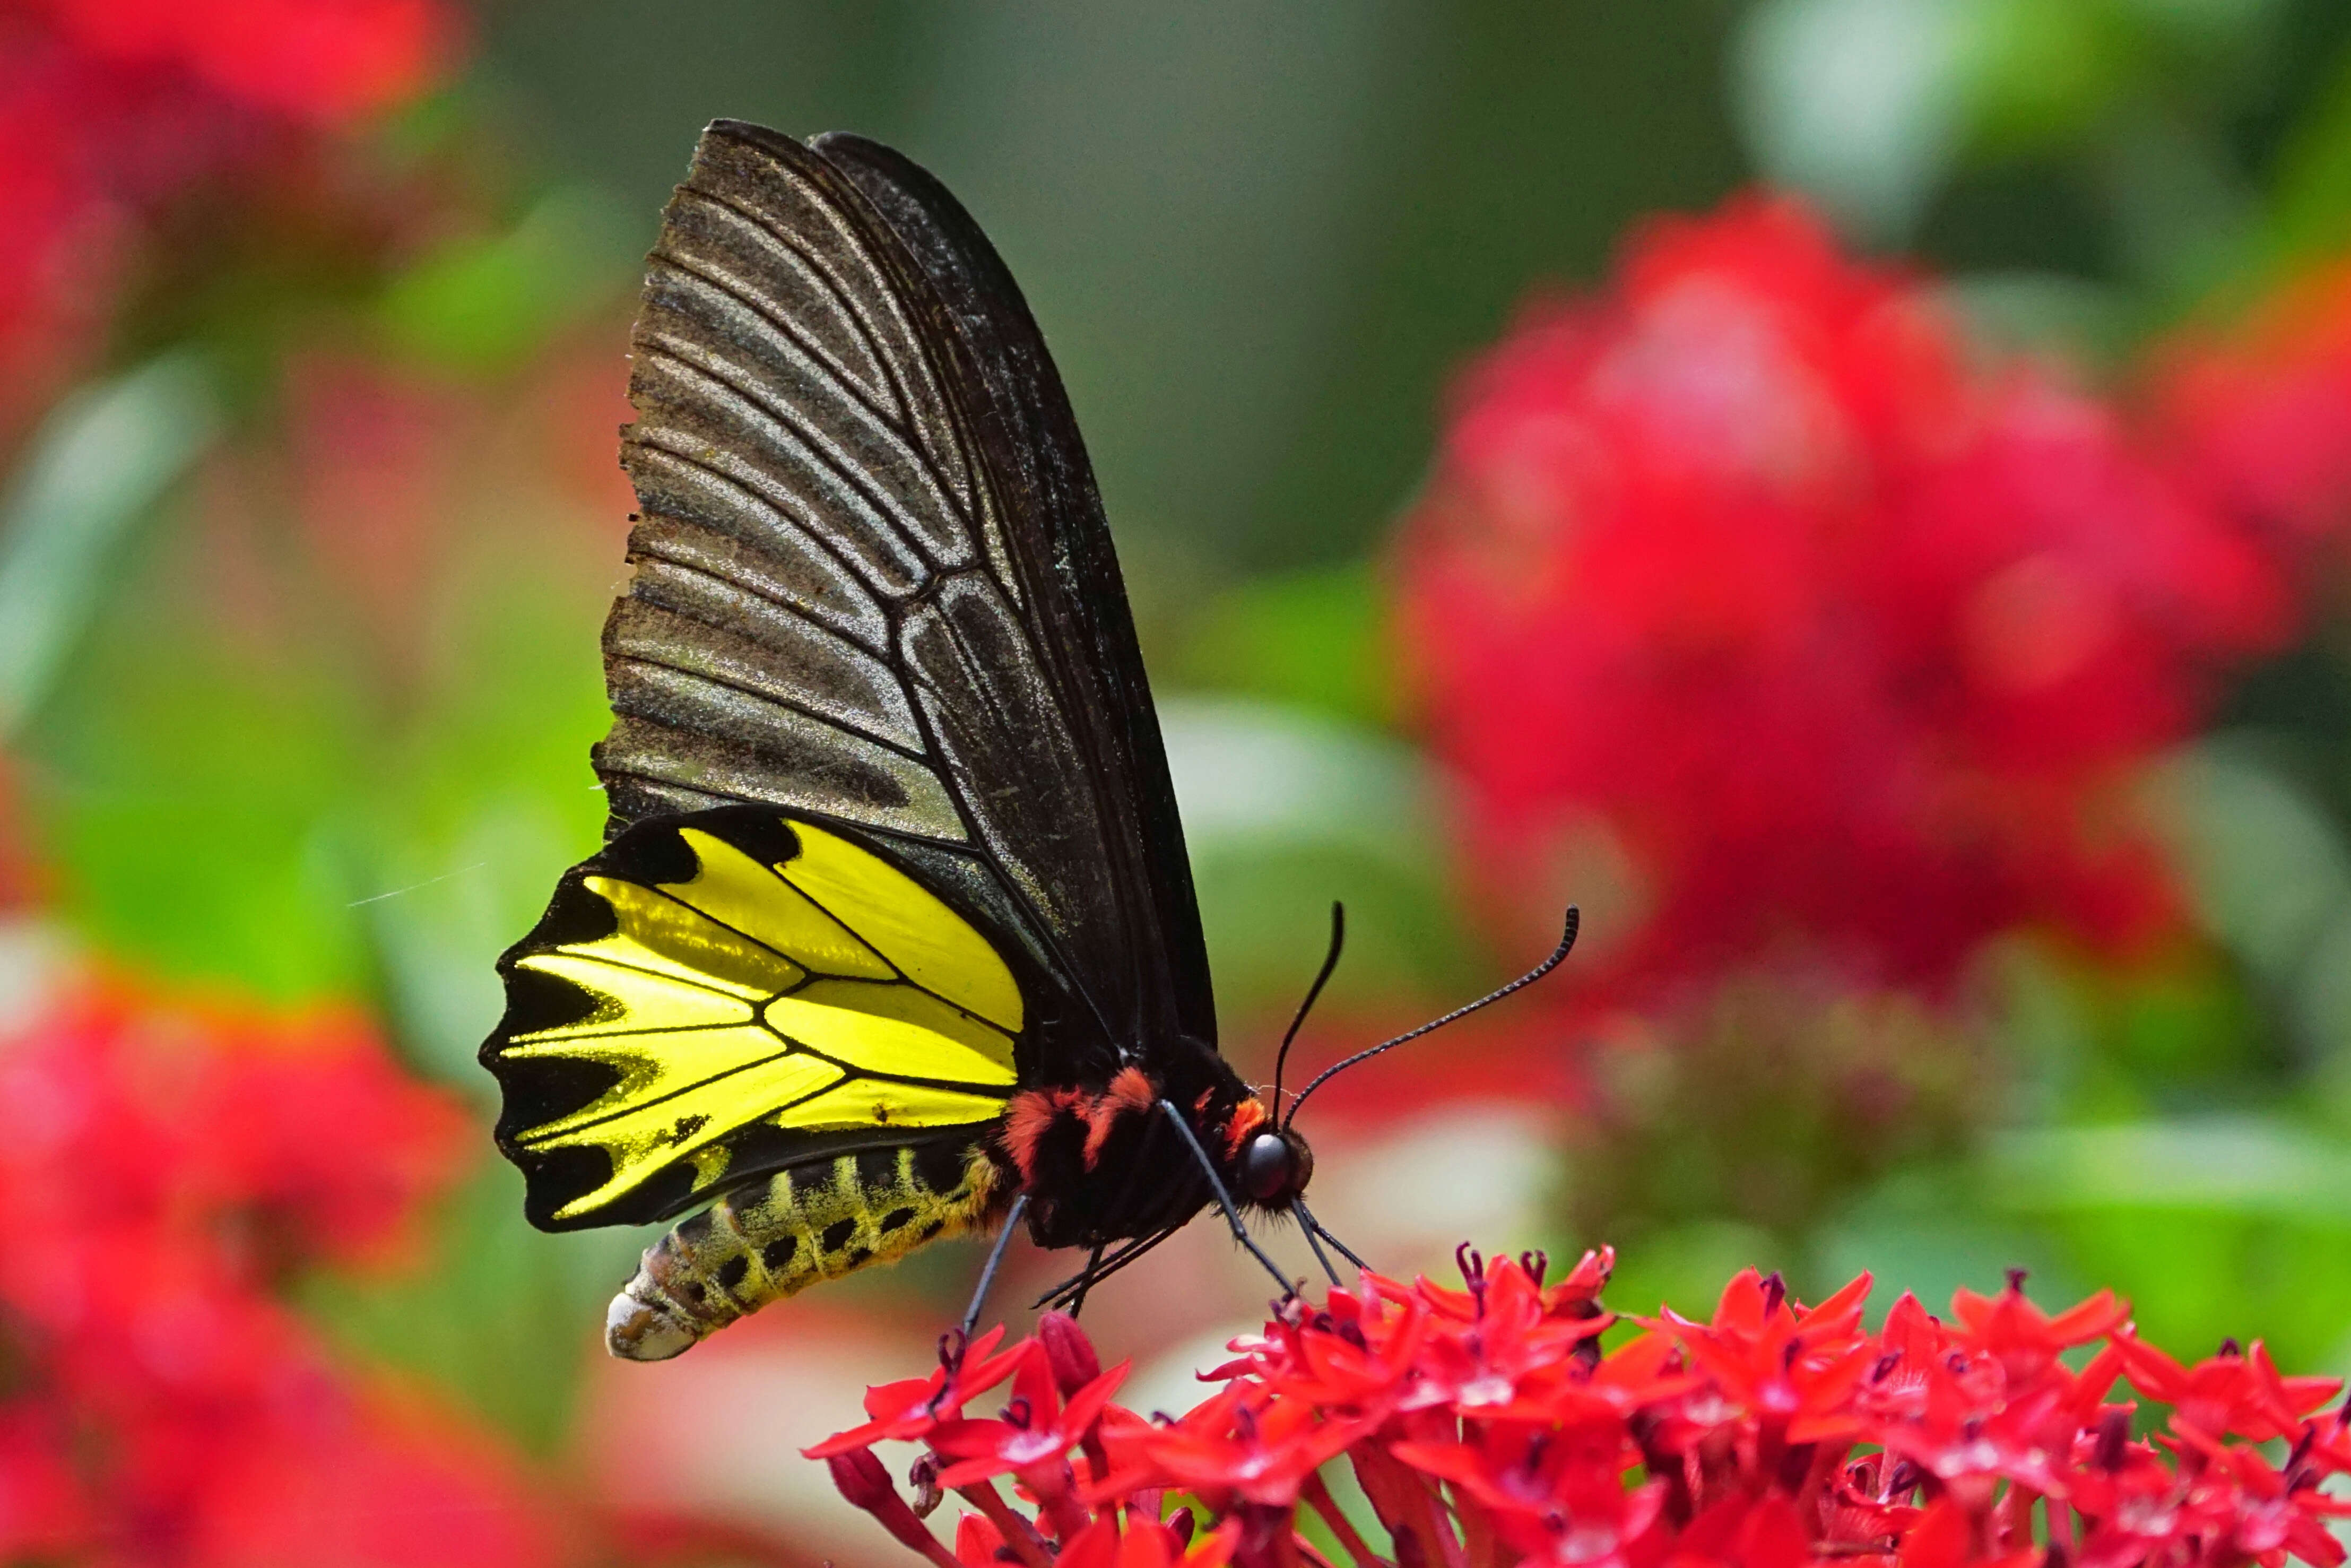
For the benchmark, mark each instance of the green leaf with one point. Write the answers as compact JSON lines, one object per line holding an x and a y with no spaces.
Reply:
{"x":1312,"y":639}
{"x":2310,"y":202}
{"x":98,"y":464}
{"x":200,"y":799}
{"x":2239,"y":1166}
{"x":1286,"y":809}
{"x":482,"y":305}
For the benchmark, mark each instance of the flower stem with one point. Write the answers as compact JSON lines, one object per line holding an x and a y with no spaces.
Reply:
{"x":1017,"y":1532}
{"x":1480,"y":1542}
{"x":1326,"y":1507}
{"x":1053,"y":1494}
{"x":1407,"y":1507}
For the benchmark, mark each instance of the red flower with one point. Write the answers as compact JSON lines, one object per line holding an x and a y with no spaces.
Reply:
{"x":2227,"y":1394}
{"x":1746,"y":581}
{"x":46,"y":1511}
{"x":1033,"y":1437}
{"x":1794,"y":1369}
{"x":2025,"y":1338}
{"x":328,"y":61}
{"x":118,"y":116}
{"x":1240,"y":1444}
{"x":164,"y":1168}
{"x":904,"y":1412}
{"x":1514,"y":1341}
{"x":1139,"y":1544}
{"x":2258,"y":413}
{"x":1483,"y":1431}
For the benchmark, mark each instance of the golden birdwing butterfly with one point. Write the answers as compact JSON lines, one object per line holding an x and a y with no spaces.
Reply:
{"x":893,"y":932}
{"x":893,"y":936}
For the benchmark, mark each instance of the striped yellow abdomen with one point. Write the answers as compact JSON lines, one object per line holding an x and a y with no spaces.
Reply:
{"x":806,"y":1223}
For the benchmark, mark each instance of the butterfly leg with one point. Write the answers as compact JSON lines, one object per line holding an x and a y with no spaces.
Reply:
{"x":1315,"y":1228}
{"x":1091,"y":1276}
{"x":995,"y":1261}
{"x":1224,"y":1200}
{"x":1086,"y":1282}
{"x":1315,"y":1245}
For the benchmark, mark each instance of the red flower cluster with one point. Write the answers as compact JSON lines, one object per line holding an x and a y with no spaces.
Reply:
{"x":2259,"y":417}
{"x":161,"y":1169}
{"x":117,"y":113}
{"x":1751,"y":578}
{"x":1486,"y":1426}
{"x":321,"y":60}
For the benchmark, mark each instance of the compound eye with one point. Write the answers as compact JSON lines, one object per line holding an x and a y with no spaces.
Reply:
{"x":1267,"y":1167}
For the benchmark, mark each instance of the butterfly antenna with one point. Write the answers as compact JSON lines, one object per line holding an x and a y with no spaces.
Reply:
{"x":1330,"y":962}
{"x":1558,"y":956}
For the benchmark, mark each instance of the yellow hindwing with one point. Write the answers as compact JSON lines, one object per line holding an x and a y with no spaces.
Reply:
{"x":826,"y":992}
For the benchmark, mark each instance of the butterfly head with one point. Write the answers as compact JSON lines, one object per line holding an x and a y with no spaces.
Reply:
{"x":1275,"y":1166}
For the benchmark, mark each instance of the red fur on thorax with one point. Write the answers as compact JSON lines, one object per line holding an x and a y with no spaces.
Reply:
{"x":1030,"y":1113}
{"x":1248,"y":1117}
{"x":1027,"y":1117}
{"x":1129,"y":1092}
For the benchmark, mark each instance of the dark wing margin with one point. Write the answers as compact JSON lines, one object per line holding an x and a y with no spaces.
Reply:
{"x":872,"y":579}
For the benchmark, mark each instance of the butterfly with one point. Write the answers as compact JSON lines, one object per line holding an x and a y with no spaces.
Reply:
{"x":894,"y":935}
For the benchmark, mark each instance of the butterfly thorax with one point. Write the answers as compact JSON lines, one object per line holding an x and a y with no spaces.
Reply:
{"x":1105,"y":1164}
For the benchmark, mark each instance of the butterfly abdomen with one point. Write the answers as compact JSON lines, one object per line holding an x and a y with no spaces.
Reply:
{"x":806,"y":1223}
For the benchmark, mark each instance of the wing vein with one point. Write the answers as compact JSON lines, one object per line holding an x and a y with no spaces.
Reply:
{"x":901,"y":423}
{"x":827,"y":720}
{"x":670,"y":975}
{"x":884,"y":600}
{"x":879,"y":654}
{"x":904,"y":978}
{"x":952,"y":1085}
{"x":850,"y":306}
{"x":739,"y":382}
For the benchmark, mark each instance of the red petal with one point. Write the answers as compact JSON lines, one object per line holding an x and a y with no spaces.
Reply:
{"x":2093,"y":1319}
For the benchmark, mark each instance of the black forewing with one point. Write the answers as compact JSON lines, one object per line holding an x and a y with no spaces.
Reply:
{"x":874,"y":580}
{"x":1061,"y":544}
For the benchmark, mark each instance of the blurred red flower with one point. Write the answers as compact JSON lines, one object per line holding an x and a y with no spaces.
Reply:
{"x":323,"y":60}
{"x":163,"y":1167}
{"x":2257,"y":414}
{"x":117,"y":114}
{"x":1752,"y":572}
{"x":1772,"y":1436}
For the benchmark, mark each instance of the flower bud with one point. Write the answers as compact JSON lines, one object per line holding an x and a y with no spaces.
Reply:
{"x":1068,"y":1352}
{"x":862,"y":1480}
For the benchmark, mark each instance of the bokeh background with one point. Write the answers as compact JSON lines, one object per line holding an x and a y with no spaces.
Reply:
{"x":1853,"y":493}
